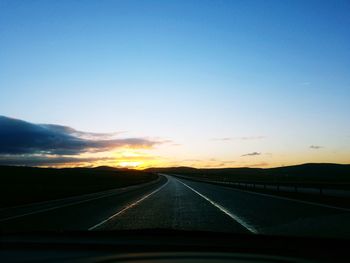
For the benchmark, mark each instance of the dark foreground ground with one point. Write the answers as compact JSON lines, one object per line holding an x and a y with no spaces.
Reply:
{"x":25,"y":185}
{"x":324,"y":183}
{"x":174,"y":203}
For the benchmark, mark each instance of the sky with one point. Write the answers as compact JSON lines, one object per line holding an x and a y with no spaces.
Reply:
{"x":174,"y":83}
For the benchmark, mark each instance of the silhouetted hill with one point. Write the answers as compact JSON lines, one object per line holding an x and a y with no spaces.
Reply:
{"x":109,"y":168}
{"x":310,"y":172}
{"x":180,"y":169}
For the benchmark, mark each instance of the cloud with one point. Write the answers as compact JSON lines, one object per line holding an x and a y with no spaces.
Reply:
{"x":222,"y":139}
{"x":316,"y":147}
{"x":20,"y":137}
{"x":262,"y":164}
{"x":81,"y":134}
{"x":243,"y":138}
{"x":213,"y":163}
{"x":251,"y":154}
{"x":56,"y":160}
{"x":252,"y":138}
{"x":191,"y":160}
{"x":42,"y":160}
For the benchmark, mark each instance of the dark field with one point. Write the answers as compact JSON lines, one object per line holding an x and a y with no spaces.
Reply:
{"x":23,"y":185}
{"x":313,"y":173}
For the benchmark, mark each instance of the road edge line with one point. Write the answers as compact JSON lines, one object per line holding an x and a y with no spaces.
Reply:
{"x":249,"y":191}
{"x":291,"y":199}
{"x":127,"y":207}
{"x":224,"y":210}
{"x":63,"y":205}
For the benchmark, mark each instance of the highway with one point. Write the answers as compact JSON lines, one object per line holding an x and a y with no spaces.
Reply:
{"x":173,"y":203}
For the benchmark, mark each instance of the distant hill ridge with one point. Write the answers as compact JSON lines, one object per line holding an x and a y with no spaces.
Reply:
{"x":308,"y":172}
{"x":315,"y":172}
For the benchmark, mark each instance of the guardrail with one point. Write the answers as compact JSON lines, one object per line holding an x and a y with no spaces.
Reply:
{"x":315,"y":189}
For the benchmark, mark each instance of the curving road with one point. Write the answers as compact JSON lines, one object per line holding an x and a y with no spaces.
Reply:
{"x":181,"y":204}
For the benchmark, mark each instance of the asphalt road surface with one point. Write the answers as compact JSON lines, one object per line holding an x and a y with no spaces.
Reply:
{"x":173,"y":203}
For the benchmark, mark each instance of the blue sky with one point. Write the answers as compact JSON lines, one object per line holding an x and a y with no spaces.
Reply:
{"x":190,"y":72}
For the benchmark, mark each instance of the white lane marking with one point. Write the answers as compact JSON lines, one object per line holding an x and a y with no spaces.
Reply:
{"x":127,"y":207}
{"x":72,"y":198}
{"x":224,"y":210}
{"x":275,"y":196}
{"x":290,"y":199}
{"x":65,"y":205}
{"x":54,"y":207}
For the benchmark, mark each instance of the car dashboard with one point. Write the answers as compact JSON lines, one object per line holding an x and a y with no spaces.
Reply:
{"x":162,"y":246}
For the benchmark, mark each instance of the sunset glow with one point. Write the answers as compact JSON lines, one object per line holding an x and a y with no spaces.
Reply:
{"x":225,"y":84}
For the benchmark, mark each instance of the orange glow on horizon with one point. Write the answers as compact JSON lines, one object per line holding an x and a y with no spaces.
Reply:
{"x":142,"y":159}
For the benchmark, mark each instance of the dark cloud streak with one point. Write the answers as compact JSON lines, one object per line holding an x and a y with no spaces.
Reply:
{"x":251,"y":154}
{"x":30,"y":160}
{"x":21,"y":137}
{"x":316,"y":147}
{"x":244,"y":138}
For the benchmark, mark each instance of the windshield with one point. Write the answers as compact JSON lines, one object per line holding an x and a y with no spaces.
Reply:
{"x":220,"y":116}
